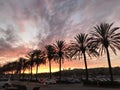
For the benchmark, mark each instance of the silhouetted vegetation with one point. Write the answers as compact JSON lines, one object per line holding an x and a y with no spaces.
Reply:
{"x":60,"y":53}
{"x":82,"y":46}
{"x":50,"y":52}
{"x":106,"y":37}
{"x":93,"y":44}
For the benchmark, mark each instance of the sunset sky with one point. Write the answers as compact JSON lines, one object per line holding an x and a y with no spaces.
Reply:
{"x":31,"y":24}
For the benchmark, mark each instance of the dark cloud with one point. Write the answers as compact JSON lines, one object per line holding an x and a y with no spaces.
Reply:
{"x":9,"y":35}
{"x":9,"y":44}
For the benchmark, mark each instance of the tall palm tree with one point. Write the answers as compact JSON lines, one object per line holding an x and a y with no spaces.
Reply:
{"x":30,"y":56}
{"x":60,"y":49}
{"x":50,"y":51}
{"x":82,"y":46}
{"x":39,"y":58}
{"x":106,"y":37}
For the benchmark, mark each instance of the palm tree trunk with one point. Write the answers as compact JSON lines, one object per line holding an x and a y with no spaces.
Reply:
{"x":36,"y":71}
{"x":31,"y":73}
{"x":86,"y":69}
{"x":23,"y":73}
{"x":60,"y":68}
{"x":20,"y":73}
{"x":50,"y":68}
{"x":109,"y":64}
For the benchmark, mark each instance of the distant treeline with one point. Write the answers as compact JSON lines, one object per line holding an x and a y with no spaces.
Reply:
{"x":81,"y":72}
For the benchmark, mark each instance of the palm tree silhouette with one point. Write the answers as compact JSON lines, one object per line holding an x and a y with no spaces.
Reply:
{"x":11,"y":67}
{"x":6,"y":68}
{"x":30,"y":56}
{"x":106,"y":37}
{"x":21,"y":62}
{"x":27,"y":65}
{"x":82,"y":46}
{"x":39,"y":58}
{"x":20,"y":65}
{"x":60,"y":49}
{"x":50,"y":51}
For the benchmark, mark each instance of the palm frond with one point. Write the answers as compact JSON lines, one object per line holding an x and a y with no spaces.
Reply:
{"x":106,"y":36}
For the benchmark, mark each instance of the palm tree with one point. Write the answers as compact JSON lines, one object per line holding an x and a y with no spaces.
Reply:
{"x":50,"y":55}
{"x":24,"y":65}
{"x":30,"y":56}
{"x":106,"y":37}
{"x":60,"y":49}
{"x":27,"y":65}
{"x":10,"y":67}
{"x":6,"y":68}
{"x":82,"y":46}
{"x":39,"y":58}
{"x":21,"y":65}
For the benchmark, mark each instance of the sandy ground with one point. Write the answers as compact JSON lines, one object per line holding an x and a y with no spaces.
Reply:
{"x":64,"y":87}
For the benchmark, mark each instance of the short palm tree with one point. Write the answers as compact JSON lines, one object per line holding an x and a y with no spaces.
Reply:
{"x":106,"y":37}
{"x":39,"y":58}
{"x":13,"y":67}
{"x":82,"y":46}
{"x":27,"y":65}
{"x":6,"y":68}
{"x":50,"y":51}
{"x":20,"y":65}
{"x":60,"y":49}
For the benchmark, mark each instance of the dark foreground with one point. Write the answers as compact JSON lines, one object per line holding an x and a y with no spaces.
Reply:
{"x":64,"y":87}
{"x":74,"y":87}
